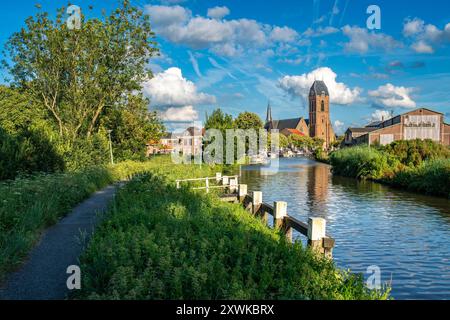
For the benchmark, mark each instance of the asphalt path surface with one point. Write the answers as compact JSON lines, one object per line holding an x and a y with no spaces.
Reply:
{"x":44,"y":274}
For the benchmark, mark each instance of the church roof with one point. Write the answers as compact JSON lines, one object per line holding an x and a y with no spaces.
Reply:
{"x":284,"y":124}
{"x":318,"y":87}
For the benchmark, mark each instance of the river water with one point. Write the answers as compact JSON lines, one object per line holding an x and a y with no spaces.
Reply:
{"x":406,"y":235}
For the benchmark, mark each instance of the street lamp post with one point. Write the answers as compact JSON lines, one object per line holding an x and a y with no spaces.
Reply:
{"x":110,"y":147}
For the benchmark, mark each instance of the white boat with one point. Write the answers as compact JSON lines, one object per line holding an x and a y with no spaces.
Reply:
{"x":259,"y":159}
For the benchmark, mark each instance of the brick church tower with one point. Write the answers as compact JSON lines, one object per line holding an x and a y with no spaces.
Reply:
{"x":319,"y":113}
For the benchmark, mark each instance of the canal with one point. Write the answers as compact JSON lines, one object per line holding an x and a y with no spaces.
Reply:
{"x":406,"y":235}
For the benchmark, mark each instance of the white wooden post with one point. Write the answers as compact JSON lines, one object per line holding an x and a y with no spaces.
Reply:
{"x":257,"y":201}
{"x":233,"y":185}
{"x":207,"y":185}
{"x":178,"y":184}
{"x":316,"y":233}
{"x":279,"y":212}
{"x":218,"y":177}
{"x":225,"y":181}
{"x":279,"y":219}
{"x":242,"y":192}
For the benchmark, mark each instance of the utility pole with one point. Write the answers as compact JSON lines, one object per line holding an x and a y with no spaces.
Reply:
{"x":110,"y":147}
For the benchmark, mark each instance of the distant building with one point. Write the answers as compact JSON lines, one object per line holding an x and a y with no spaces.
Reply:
{"x":188,"y":142}
{"x":191,"y":141}
{"x":417,"y":124}
{"x":353,"y":133}
{"x":319,"y":123}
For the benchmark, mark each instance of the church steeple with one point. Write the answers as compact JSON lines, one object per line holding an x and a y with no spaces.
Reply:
{"x":269,"y":113}
{"x":319,"y":113}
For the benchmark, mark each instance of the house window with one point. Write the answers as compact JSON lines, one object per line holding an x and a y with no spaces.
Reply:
{"x":323,"y":106}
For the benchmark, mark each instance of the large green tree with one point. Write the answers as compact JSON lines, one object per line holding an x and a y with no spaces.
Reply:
{"x":132,"y":127}
{"x":248,"y":120}
{"x":76,"y":74}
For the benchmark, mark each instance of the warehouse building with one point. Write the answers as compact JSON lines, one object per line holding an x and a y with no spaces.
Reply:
{"x":418,"y":124}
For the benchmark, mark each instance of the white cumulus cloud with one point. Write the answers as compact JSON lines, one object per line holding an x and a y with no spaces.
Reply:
{"x":425,"y":36}
{"x":284,"y":34}
{"x":167,"y":15}
{"x":228,"y":37}
{"x":413,"y":27}
{"x":422,"y":47}
{"x":361,"y":40}
{"x":391,"y":96}
{"x":218,"y":12}
{"x":180,"y":114}
{"x":171,"y":89}
{"x":380,"y":115}
{"x":339,"y":92}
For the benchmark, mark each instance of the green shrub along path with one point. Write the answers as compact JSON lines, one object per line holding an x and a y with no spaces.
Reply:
{"x":415,"y":165}
{"x":30,"y":205}
{"x":157,"y":242}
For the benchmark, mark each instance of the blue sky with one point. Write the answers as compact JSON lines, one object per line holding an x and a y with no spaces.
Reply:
{"x":237,"y":55}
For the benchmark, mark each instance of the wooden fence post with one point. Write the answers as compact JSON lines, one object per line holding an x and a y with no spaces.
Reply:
{"x":218,"y":177}
{"x":207,"y":185}
{"x":279,"y":219}
{"x":316,"y":234}
{"x":178,"y":184}
{"x":225,"y":181}
{"x":233,"y":185}
{"x":257,"y":201}
{"x":242,"y":193}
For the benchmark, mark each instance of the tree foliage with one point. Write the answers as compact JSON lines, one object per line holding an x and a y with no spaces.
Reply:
{"x":27,"y":143}
{"x":76,"y":74}
{"x":248,"y":120}
{"x":219,"y":120}
{"x":72,"y":86}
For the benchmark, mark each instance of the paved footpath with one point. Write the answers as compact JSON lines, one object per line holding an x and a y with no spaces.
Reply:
{"x":43,"y":276}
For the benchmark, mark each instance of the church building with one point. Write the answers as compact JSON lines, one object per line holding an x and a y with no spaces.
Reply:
{"x":319,"y":123}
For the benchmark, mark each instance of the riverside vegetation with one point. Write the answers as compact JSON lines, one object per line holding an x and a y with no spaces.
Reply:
{"x":416,"y":165}
{"x":158,"y":242}
{"x":29,"y":205}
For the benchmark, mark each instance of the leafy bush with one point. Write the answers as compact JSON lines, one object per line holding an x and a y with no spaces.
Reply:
{"x":27,"y":152}
{"x":414,"y":165}
{"x":414,"y":152}
{"x":361,"y":162}
{"x":158,"y":242}
{"x":432,"y":177}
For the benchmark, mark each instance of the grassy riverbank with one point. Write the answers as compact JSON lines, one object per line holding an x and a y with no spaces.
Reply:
{"x":158,"y":242}
{"x":29,"y":205}
{"x":421,"y":166}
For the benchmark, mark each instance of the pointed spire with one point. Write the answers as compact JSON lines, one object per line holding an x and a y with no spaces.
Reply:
{"x":269,"y":113}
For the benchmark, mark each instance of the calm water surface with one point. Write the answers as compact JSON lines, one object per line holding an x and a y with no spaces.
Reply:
{"x":407,"y":235}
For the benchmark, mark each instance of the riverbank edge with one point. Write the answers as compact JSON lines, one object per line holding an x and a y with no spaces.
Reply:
{"x":390,"y":182}
{"x":235,"y":213}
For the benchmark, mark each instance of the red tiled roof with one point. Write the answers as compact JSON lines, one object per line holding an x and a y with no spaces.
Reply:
{"x":295,"y":131}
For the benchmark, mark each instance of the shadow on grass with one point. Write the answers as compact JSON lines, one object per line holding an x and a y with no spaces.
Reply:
{"x":158,"y":242}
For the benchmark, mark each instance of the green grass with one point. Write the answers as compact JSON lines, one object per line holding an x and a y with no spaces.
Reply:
{"x":157,"y":242}
{"x":29,"y":205}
